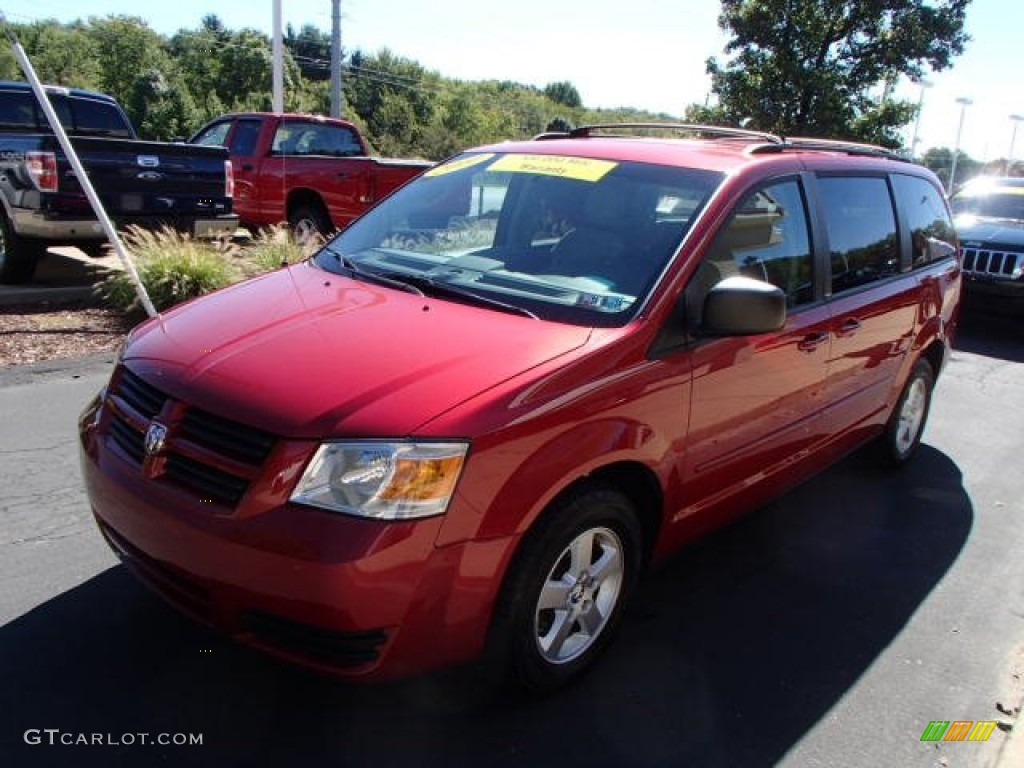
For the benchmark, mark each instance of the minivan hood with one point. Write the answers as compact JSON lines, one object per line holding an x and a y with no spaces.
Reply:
{"x":311,"y":354}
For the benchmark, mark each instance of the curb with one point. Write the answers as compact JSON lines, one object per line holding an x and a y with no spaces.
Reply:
{"x":20,"y":296}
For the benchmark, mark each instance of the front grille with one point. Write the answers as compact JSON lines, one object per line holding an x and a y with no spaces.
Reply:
{"x":213,"y":457}
{"x":212,"y":485}
{"x":127,"y":438}
{"x":337,"y":649}
{"x":145,"y":399}
{"x":993,"y":262}
{"x":229,"y":437}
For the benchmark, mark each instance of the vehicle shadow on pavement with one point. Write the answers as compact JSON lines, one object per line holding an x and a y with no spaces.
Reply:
{"x":732,"y":651}
{"x":998,"y":335}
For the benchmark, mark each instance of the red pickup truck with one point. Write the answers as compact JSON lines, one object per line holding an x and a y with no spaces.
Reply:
{"x":313,"y":172}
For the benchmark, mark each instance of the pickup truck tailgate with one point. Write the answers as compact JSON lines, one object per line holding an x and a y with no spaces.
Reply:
{"x":151,"y":179}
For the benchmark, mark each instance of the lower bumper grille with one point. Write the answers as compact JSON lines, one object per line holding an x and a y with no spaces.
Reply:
{"x":336,"y":649}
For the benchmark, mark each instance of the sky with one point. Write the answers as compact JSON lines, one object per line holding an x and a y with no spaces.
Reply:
{"x":648,"y":54}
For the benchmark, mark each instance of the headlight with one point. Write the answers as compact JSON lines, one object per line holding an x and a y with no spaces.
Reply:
{"x":387,"y":481}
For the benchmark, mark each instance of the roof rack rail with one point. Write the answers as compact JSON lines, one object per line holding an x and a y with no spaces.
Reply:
{"x":715,"y":131}
{"x":829,"y":145}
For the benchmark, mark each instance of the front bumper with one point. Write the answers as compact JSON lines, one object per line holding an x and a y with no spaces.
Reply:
{"x":346,"y":596}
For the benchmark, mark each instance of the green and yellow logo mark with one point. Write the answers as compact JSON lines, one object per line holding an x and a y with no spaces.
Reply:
{"x":958,"y":730}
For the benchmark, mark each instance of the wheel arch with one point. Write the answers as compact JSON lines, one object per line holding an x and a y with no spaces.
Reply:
{"x":305,"y":197}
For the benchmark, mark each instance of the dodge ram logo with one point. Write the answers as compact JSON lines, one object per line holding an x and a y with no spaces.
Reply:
{"x":155,"y":437}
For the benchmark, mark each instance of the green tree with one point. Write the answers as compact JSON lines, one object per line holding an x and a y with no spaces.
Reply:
{"x":395,"y":97}
{"x":564,"y":92}
{"x":60,"y":54}
{"x":940,"y":160}
{"x":820,"y":67}
{"x":162,"y":106}
{"x":125,"y":46}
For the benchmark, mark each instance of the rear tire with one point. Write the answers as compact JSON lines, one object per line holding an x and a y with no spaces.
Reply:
{"x":906,"y":424}
{"x":566,"y":590}
{"x":19,"y":256}
{"x":309,"y":222}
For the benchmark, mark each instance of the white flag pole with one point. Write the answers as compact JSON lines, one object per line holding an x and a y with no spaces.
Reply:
{"x":76,"y":165}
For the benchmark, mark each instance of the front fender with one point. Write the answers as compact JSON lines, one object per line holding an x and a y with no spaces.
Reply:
{"x":549,"y":468}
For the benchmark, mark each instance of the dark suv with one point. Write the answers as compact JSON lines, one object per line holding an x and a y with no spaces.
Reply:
{"x":468,"y":423}
{"x":990,"y":222}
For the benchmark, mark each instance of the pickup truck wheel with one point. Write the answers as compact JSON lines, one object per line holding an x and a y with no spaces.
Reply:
{"x":308,"y":222}
{"x":18,"y":256}
{"x":566,"y":590}
{"x":906,"y":425}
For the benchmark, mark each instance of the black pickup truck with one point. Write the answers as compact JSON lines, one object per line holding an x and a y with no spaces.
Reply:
{"x":139,"y":182}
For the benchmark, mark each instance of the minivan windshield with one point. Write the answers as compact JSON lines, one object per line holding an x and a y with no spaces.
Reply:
{"x":572,"y":239}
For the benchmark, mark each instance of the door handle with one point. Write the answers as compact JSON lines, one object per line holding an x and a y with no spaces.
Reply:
{"x":247,"y":167}
{"x":849,"y":327}
{"x":342,"y":175}
{"x":811,"y":342}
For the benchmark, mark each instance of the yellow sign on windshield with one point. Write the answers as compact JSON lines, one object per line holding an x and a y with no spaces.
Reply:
{"x":580,"y":168}
{"x":458,"y":165}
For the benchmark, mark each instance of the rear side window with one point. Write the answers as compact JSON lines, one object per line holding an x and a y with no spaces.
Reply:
{"x":18,"y":110}
{"x":931,"y":230}
{"x":861,"y":227}
{"x":243,"y":140}
{"x":98,"y":118}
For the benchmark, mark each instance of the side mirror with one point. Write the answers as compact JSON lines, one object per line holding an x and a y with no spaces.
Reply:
{"x":742,"y":306}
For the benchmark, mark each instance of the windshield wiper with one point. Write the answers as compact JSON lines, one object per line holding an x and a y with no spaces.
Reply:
{"x":437,"y":288}
{"x":356,"y":273}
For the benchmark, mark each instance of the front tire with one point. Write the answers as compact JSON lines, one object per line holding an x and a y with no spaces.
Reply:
{"x":906,"y":424}
{"x":566,"y":590}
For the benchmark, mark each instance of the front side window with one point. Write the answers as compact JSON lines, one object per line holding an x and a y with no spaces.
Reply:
{"x":573,"y":239}
{"x":766,"y":238}
{"x":861,"y":228}
{"x":931,"y":230}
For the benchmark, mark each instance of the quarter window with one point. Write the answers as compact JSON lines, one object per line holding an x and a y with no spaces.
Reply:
{"x":861,"y":227}
{"x":931,"y":230}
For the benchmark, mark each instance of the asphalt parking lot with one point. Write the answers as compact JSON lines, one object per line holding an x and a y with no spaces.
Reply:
{"x":828,"y":628}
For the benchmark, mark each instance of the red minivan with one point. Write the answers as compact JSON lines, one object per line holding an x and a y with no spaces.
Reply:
{"x":468,"y":423}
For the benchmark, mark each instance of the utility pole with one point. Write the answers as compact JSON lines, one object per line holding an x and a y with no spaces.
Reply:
{"x":278,"y":65}
{"x":336,"y":102}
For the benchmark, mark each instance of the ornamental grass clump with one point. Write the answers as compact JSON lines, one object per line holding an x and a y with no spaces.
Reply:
{"x":173,"y":267}
{"x":272,"y":248}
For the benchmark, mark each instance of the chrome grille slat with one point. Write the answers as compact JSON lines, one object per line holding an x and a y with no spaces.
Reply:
{"x":980,"y":261}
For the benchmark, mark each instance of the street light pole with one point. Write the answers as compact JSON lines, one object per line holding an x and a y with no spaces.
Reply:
{"x":964,"y":103}
{"x":1013,"y":138}
{"x":925,"y":84}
